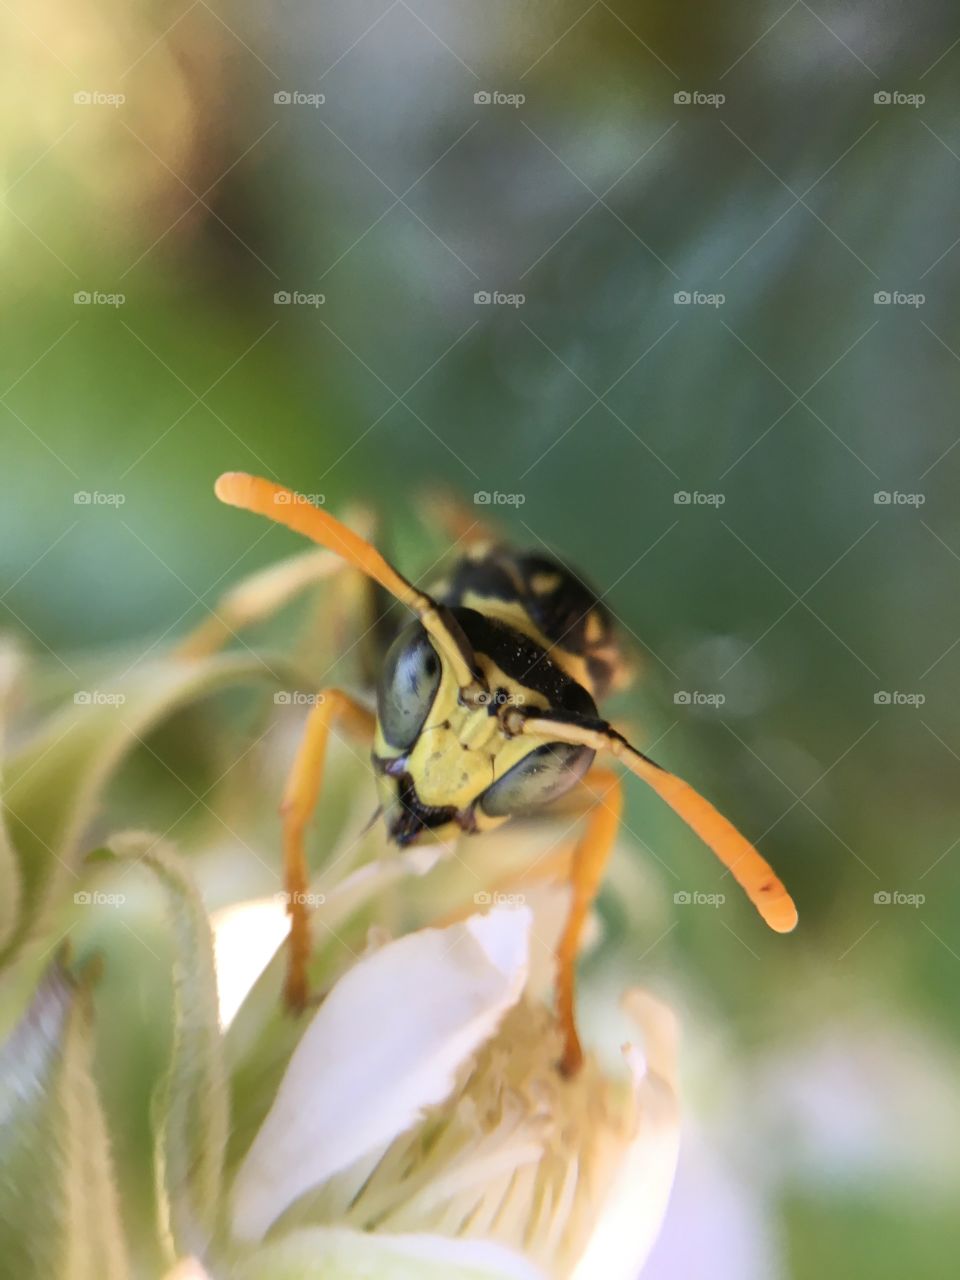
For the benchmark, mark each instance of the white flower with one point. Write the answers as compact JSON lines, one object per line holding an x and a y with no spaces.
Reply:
{"x":384,"y":1045}
{"x":422,"y":1116}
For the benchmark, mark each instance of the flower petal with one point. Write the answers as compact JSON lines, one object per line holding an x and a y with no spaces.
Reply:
{"x":246,"y":936}
{"x":637,"y":1201}
{"x":334,"y":1253}
{"x":385,"y":1044}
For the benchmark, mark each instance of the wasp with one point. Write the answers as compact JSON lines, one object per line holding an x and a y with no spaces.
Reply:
{"x":486,"y":709}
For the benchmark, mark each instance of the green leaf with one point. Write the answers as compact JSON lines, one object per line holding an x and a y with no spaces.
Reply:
{"x":192,"y":1108}
{"x":59,"y":1213}
{"x":10,"y":890}
{"x":53,"y":785}
{"x":334,"y":1253}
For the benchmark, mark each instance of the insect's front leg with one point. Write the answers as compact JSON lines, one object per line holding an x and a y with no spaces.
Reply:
{"x":602,"y":796}
{"x":332,"y":707}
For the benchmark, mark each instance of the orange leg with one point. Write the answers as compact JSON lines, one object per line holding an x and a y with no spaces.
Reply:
{"x":589,"y":863}
{"x":333,"y":706}
{"x":463,"y":524}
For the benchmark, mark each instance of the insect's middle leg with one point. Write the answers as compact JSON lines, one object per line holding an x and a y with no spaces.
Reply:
{"x":332,"y":707}
{"x":590,"y":857}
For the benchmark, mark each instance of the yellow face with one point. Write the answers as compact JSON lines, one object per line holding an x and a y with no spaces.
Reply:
{"x":446,"y":767}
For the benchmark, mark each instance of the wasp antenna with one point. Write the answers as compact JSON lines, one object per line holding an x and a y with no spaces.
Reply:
{"x":745,"y":863}
{"x":282,"y":505}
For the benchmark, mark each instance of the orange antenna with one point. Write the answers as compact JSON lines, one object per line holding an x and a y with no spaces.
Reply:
{"x":747,"y":866}
{"x":252,"y":493}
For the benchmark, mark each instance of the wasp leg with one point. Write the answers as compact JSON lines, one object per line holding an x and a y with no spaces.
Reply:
{"x":590,"y":857}
{"x":461,"y":523}
{"x":333,"y":707}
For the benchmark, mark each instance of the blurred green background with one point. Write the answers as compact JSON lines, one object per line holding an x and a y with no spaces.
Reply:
{"x":176,"y":156}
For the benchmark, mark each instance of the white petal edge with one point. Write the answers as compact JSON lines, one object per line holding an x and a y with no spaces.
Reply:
{"x":336,"y":1253}
{"x":385,"y":1044}
{"x":246,"y":936}
{"x":630,"y":1221}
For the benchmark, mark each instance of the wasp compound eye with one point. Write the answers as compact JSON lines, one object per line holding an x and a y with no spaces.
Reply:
{"x":408,"y":686}
{"x":542,"y":776}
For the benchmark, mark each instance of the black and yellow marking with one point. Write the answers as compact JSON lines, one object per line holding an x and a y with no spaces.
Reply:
{"x":544,"y":600}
